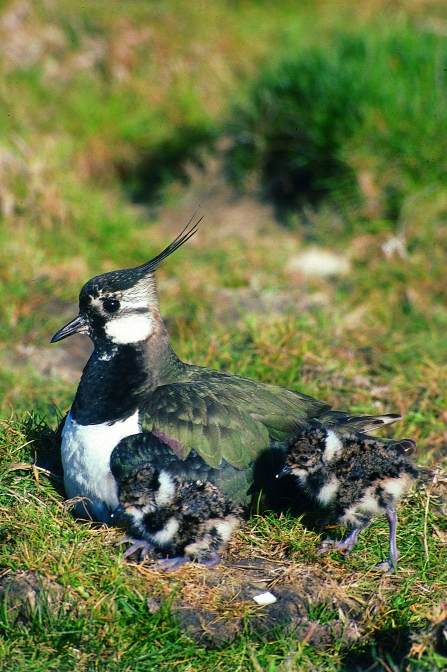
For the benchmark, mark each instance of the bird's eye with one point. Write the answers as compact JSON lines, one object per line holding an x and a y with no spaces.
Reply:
{"x":110,"y":305}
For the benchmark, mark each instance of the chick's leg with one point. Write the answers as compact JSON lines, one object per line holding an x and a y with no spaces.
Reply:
{"x":212,"y":559}
{"x":201,"y":550}
{"x":390,"y":566}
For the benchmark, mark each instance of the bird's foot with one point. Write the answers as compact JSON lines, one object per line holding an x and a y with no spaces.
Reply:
{"x":212,"y":560}
{"x":346,"y":544}
{"x":171,"y":564}
{"x":137,"y":545}
{"x":387,"y":567}
{"x":332,"y":545}
{"x":326,"y":546}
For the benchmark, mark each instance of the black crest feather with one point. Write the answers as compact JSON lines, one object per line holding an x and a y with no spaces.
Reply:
{"x":151,"y":265}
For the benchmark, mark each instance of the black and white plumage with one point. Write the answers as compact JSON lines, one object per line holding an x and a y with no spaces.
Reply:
{"x":138,"y":403}
{"x":187,"y":520}
{"x":356,"y":475}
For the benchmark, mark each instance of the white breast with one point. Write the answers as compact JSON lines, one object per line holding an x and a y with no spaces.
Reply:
{"x":86,"y":451}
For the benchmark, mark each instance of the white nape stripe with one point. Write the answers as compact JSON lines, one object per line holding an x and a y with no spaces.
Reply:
{"x":333,"y":446}
{"x":225,"y":528}
{"x":167,"y":533}
{"x":166,"y":490}
{"x":397,"y":486}
{"x":328,"y":492}
{"x":126,"y":329}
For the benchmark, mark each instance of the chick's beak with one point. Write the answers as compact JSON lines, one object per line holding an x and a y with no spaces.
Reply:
{"x":118,"y":513}
{"x":285,"y":471}
{"x":78,"y":325}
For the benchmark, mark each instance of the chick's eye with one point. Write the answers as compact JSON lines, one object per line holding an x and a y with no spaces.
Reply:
{"x":111,"y":305}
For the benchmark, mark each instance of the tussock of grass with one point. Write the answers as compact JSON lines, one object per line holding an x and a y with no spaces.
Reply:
{"x":106,"y":620}
{"x":357,"y":119}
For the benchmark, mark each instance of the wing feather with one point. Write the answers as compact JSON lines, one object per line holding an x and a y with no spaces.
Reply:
{"x":229,"y":419}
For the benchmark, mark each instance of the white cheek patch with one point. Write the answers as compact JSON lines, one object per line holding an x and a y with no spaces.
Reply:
{"x":301,"y":475}
{"x":130,"y":328}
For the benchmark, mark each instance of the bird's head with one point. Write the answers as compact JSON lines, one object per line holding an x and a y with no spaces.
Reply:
{"x":137,"y":490}
{"x":305,"y":451}
{"x":121,"y":307}
{"x":144,"y":490}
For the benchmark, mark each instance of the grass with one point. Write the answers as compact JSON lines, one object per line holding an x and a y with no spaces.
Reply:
{"x":360,"y":114}
{"x":105,"y":622}
{"x":113,"y":103}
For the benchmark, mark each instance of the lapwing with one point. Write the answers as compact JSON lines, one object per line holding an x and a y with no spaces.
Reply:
{"x":356,"y":475}
{"x":188,"y":520}
{"x":209,"y":425}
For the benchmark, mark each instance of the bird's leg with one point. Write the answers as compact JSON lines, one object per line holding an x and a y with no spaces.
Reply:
{"x":346,"y":544}
{"x":390,"y":566}
{"x":137,"y":545}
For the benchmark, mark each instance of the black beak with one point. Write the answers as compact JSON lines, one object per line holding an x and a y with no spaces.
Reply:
{"x":78,"y":325}
{"x":285,"y":471}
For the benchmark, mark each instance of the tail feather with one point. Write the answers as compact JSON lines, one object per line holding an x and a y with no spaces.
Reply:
{"x":406,"y":446}
{"x":363,"y":423}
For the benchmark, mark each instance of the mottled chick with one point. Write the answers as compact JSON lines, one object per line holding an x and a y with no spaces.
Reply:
{"x":357,"y":476}
{"x":187,"y":520}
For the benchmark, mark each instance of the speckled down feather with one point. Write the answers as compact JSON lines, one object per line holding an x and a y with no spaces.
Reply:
{"x":190,"y":520}
{"x":357,"y":476}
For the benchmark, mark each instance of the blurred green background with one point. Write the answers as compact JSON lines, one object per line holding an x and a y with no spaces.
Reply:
{"x":297,"y":130}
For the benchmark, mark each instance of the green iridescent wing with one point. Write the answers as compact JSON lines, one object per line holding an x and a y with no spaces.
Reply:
{"x":225,"y":417}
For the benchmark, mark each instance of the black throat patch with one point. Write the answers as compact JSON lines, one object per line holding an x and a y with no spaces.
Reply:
{"x":110,"y":388}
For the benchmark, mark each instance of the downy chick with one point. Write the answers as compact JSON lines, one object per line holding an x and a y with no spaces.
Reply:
{"x":189,"y":520}
{"x":356,"y":475}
